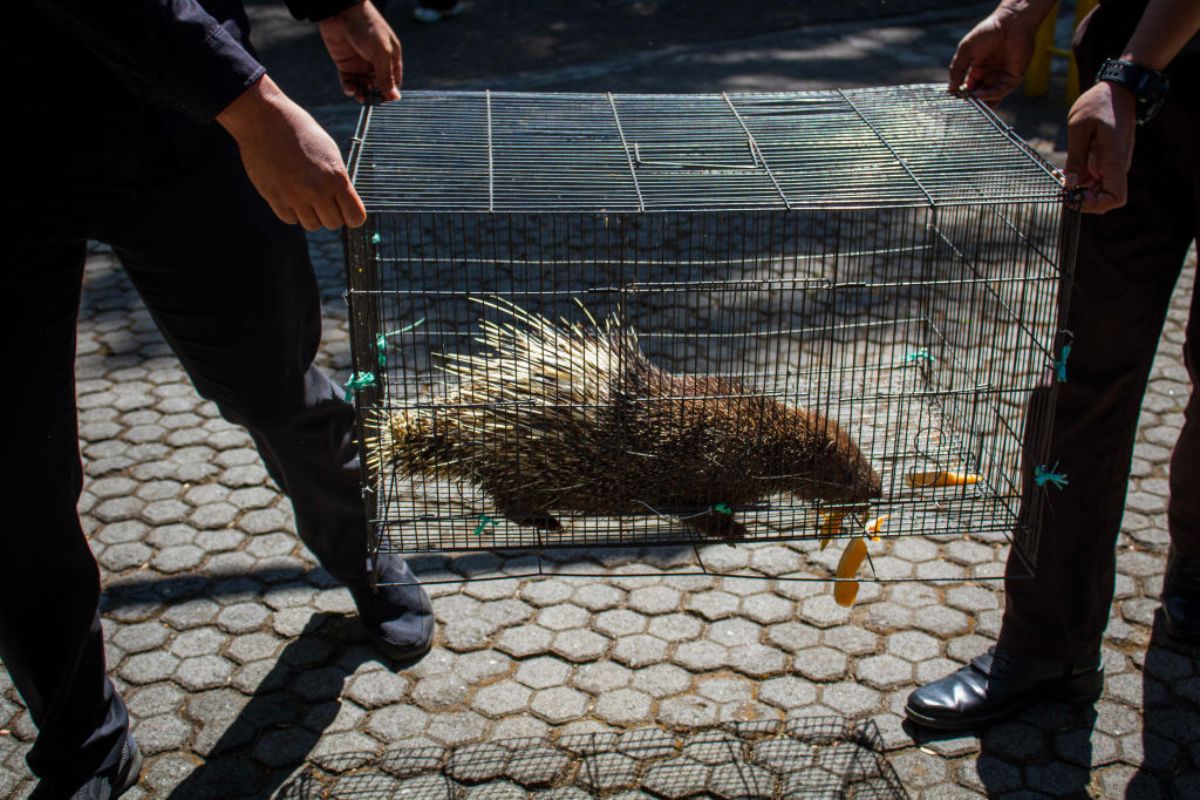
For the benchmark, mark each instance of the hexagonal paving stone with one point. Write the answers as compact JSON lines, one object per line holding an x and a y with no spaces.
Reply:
{"x":623,"y":706}
{"x":524,"y":640}
{"x":500,"y":699}
{"x":688,"y":711}
{"x":714,"y":605}
{"x":546,"y":592}
{"x":598,"y":596}
{"x":675,"y":627}
{"x":455,"y":728}
{"x":700,"y":655}
{"x":756,"y":660}
{"x":543,"y":672}
{"x":619,"y":622}
{"x":601,"y":676}
{"x":397,"y":722}
{"x":378,"y":688}
{"x":639,"y":650}
{"x":767,"y":608}
{"x":537,"y":765}
{"x":562,"y":617}
{"x":742,"y":782}
{"x":439,"y":691}
{"x":913,"y":646}
{"x":885,"y":671}
{"x":477,"y":762}
{"x":820,"y":663}
{"x":559,"y":704}
{"x":579,"y":645}
{"x":655,"y":600}
{"x":787,"y":692}
{"x":606,"y":772}
{"x":662,"y":680}
{"x":850,"y":699}
{"x":678,"y":778}
{"x":735,"y":632}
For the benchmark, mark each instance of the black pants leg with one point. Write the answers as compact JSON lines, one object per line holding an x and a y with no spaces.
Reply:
{"x":234,"y":293}
{"x":50,"y":638}
{"x":1129,"y":261}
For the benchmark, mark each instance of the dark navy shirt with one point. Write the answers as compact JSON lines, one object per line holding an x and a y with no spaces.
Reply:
{"x":193,"y":56}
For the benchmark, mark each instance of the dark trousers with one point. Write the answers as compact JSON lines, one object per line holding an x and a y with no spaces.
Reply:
{"x":233,"y":291}
{"x":1128,"y":263}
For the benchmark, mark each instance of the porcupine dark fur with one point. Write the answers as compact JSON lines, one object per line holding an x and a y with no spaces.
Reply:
{"x":574,"y":418}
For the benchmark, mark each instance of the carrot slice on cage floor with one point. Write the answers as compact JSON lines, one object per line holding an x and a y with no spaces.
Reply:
{"x":922,"y":480}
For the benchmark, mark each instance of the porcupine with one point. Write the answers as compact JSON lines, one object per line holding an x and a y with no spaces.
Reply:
{"x":571,"y":418}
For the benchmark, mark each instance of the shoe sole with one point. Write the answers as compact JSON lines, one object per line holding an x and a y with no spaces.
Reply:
{"x":400,"y":654}
{"x":1080,"y":689}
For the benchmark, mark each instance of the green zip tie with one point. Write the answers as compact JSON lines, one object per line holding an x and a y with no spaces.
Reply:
{"x":484,"y":521}
{"x":376,"y":238}
{"x":1060,"y":363}
{"x":358,"y":381}
{"x":919,"y":355}
{"x":722,"y":508}
{"x":1042,"y":476}
{"x":381,"y":340}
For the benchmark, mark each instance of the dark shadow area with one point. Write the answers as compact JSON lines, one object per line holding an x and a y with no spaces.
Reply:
{"x":1170,"y":720}
{"x":811,"y":757}
{"x":493,"y":39}
{"x":276,"y":731}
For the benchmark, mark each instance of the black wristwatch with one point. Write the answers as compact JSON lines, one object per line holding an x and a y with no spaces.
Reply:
{"x":1149,"y":86}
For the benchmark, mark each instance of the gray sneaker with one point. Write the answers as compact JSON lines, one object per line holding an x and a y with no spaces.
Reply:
{"x":110,"y":784}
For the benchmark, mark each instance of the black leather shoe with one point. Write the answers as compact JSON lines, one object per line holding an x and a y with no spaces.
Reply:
{"x":997,"y":685}
{"x":108,"y":785}
{"x":1181,"y":598}
{"x":397,"y":613}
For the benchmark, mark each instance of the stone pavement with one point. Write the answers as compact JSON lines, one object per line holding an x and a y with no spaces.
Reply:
{"x":241,"y":665}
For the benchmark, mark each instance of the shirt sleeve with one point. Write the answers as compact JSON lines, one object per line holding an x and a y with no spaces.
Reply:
{"x":172,"y":52}
{"x":317,"y":10}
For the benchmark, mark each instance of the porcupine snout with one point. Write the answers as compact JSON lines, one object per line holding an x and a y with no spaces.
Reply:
{"x":414,"y":442}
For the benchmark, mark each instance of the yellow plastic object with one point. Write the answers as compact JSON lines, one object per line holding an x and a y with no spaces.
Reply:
{"x":844,"y":591}
{"x":924,"y":480}
{"x":1037,"y":77}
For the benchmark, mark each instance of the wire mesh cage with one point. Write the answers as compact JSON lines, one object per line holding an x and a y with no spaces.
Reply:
{"x":806,"y":757}
{"x":587,"y":320}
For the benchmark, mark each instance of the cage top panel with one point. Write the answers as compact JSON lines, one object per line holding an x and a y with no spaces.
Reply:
{"x":528,"y":152}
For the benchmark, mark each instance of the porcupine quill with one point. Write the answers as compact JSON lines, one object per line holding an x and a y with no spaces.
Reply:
{"x":574,"y":418}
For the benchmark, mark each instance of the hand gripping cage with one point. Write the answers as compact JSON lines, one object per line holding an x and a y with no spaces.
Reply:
{"x":895,"y":261}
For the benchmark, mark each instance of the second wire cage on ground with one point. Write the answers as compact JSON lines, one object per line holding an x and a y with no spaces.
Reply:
{"x":893,"y":262}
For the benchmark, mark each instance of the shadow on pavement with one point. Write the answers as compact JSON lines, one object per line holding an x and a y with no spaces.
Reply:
{"x":1170,"y":720}
{"x":277,"y":730}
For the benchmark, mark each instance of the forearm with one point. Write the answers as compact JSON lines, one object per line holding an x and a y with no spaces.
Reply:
{"x":1165,"y":27}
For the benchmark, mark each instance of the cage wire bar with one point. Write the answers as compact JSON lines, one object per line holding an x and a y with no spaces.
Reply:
{"x":895,"y":259}
{"x":804,"y":757}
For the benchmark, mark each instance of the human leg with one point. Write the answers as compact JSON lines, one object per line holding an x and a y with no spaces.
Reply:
{"x":1127,"y":264}
{"x":234,"y":293}
{"x":50,"y":637}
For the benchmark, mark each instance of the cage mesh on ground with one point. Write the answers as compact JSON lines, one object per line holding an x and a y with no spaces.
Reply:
{"x":806,"y":757}
{"x":580,"y":321}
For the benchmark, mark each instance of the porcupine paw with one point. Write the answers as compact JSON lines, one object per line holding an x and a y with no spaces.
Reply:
{"x":542,"y":521}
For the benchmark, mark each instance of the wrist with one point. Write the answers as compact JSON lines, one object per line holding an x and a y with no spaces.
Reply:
{"x":260,"y":102}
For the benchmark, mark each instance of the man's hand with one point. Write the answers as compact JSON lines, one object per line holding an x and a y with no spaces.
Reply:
{"x":365,"y":51}
{"x":992,"y":58}
{"x":1100,"y":134}
{"x":290,"y":160}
